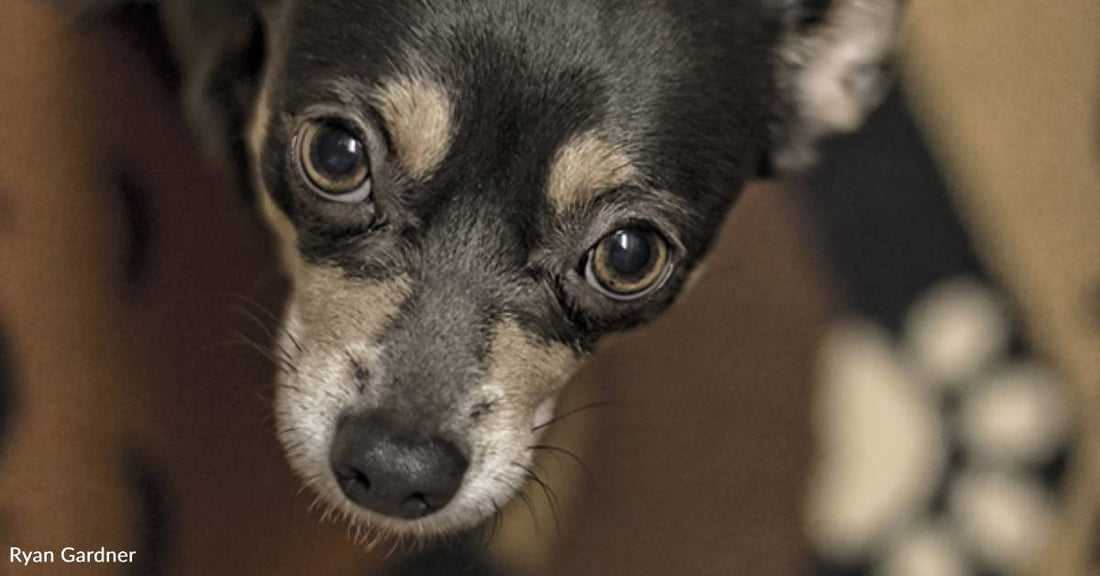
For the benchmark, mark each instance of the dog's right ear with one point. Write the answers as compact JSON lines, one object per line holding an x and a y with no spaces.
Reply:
{"x":218,"y":48}
{"x":833,"y":70}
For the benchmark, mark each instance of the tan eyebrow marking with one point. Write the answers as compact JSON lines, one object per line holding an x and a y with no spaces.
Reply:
{"x":585,"y":167}
{"x":420,"y":116}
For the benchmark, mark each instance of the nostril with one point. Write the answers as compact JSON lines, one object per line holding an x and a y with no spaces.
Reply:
{"x":417,"y":506}
{"x":353,"y":482}
{"x":362,"y":479}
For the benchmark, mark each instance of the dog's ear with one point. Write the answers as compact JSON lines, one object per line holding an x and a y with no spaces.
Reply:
{"x":217,"y":49}
{"x":833,"y":70}
{"x":220,"y":47}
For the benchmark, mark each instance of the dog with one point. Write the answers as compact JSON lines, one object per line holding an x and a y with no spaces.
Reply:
{"x":469,"y":194}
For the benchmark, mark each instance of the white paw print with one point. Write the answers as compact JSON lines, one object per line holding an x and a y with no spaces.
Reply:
{"x":890,"y":414}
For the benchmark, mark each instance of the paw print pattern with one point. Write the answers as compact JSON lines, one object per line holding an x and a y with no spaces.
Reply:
{"x":941,"y":450}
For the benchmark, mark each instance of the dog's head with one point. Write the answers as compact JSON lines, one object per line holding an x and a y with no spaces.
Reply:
{"x":473,"y":192}
{"x":470,"y":193}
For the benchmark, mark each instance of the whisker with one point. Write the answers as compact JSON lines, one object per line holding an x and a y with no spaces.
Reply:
{"x":564,"y":415}
{"x":275,"y":318}
{"x":522,"y":494}
{"x":548,"y":492}
{"x":375,"y":539}
{"x":278,"y":360}
{"x":558,"y":450}
{"x":395,"y":548}
{"x":250,"y":315}
{"x":256,"y":305}
{"x":293,"y":340}
{"x":497,"y":521}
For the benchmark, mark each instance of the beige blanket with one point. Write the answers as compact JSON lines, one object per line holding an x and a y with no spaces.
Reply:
{"x":1009,"y":92}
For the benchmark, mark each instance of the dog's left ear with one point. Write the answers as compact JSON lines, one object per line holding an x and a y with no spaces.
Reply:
{"x":833,"y":70}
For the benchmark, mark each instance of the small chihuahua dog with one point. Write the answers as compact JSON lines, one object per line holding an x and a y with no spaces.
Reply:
{"x":470,"y":193}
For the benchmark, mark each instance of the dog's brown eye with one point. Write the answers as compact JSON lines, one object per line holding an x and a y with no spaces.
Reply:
{"x":629,"y":263}
{"x":334,"y":160}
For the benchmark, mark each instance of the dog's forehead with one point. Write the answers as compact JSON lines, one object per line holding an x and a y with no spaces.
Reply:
{"x":459,"y":37}
{"x":524,"y":109}
{"x":519,"y":79}
{"x":480,"y":82}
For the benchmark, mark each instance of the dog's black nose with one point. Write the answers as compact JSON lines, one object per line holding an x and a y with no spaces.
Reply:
{"x":394,"y":471}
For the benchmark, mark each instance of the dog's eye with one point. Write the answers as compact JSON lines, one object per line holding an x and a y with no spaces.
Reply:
{"x":334,"y":161}
{"x":628,"y":264}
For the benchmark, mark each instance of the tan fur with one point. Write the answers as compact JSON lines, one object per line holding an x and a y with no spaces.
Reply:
{"x":257,"y":130}
{"x":694,"y":277}
{"x":528,"y":367}
{"x":420,"y":117}
{"x":585,"y":167}
{"x":285,"y":233}
{"x":334,"y":308}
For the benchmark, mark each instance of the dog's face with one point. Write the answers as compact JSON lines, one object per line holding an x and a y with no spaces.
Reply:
{"x":470,"y":194}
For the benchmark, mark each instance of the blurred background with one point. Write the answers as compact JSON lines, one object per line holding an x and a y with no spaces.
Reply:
{"x":889,"y":368}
